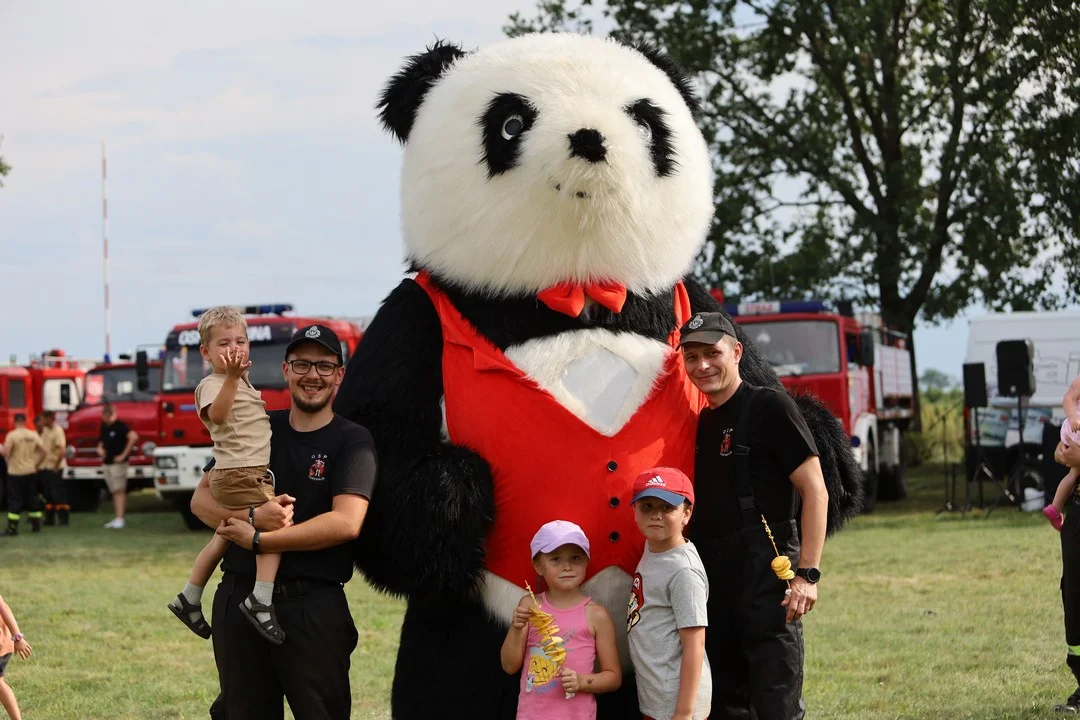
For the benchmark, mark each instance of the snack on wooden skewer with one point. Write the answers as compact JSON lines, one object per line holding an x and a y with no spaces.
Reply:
{"x":553,"y":645}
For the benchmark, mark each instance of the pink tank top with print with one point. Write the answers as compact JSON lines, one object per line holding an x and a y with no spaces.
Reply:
{"x":542,"y":696}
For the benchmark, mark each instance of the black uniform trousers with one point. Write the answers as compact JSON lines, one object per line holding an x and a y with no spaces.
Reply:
{"x":53,"y":488}
{"x":22,"y":494}
{"x":1070,"y":583}
{"x":310,"y":669}
{"x":755,"y":655}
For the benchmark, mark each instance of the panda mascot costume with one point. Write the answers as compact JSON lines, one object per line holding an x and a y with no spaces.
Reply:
{"x":555,"y":194}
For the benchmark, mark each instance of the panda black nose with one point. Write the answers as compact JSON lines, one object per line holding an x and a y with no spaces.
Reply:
{"x":587,"y":145}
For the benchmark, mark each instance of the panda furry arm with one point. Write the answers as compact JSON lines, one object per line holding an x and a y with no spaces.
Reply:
{"x":843,"y":478}
{"x":433,"y":501}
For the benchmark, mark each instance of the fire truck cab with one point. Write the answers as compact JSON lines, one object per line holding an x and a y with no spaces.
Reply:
{"x":183,"y":445}
{"x":859,"y":368}
{"x":116,"y":384}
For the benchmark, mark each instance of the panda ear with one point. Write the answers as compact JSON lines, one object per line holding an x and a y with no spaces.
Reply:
{"x":675,"y":73}
{"x":403,"y":94}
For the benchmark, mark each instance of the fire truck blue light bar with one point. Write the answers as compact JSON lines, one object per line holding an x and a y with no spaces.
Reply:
{"x":276,"y":309}
{"x":776,"y":307}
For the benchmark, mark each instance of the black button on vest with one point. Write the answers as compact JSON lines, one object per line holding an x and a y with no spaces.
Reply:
{"x":613,"y":466}
{"x":614,"y":536}
{"x":614,"y":502}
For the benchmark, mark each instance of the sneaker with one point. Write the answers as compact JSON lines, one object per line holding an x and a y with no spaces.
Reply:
{"x":1072,"y":705}
{"x":115,"y":524}
{"x":1055,"y":517}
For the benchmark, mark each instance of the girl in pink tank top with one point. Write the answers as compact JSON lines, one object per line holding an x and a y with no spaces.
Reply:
{"x":559,"y":679}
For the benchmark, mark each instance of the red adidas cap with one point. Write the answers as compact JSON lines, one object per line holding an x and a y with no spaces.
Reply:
{"x":670,"y":485}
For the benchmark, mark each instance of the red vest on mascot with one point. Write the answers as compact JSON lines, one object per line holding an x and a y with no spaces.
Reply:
{"x":548,"y":464}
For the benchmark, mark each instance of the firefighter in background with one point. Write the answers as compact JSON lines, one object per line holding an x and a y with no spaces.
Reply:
{"x":24,"y":451}
{"x":51,"y":472}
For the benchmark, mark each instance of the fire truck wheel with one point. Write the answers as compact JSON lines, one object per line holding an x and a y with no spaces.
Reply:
{"x":892,"y":481}
{"x":84,"y":495}
{"x":182,"y":503}
{"x":870,"y":477}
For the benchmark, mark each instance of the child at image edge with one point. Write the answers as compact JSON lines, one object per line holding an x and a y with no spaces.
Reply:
{"x":1070,"y":435}
{"x":666,"y":617}
{"x":11,"y":642}
{"x":560,"y":554}
{"x":235,"y":415}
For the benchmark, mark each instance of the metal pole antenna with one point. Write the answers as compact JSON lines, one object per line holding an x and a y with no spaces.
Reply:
{"x":105,"y":243}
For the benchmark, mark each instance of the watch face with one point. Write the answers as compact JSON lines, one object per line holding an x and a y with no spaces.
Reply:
{"x":813,"y":574}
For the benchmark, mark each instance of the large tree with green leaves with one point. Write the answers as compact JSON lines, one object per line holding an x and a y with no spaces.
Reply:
{"x":914,"y":156}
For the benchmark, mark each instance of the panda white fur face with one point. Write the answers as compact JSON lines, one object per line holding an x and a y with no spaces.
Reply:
{"x":552,"y":158}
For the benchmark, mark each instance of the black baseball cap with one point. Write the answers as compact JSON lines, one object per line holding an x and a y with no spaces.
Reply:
{"x":707,"y":328}
{"x":317,"y":334}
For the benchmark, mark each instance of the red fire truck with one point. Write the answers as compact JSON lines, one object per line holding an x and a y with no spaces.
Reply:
{"x":859,"y":368}
{"x":116,"y":384}
{"x":183,"y":445}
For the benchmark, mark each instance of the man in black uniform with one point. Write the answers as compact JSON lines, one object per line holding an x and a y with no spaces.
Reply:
{"x":755,"y":457}
{"x":324,"y":466}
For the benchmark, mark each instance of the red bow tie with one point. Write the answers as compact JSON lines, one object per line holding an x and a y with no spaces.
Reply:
{"x":569,"y":298}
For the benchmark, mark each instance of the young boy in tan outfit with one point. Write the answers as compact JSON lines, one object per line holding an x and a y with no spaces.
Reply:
{"x":235,"y":415}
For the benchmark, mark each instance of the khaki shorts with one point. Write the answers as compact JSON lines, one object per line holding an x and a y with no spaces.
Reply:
{"x":116,"y":477}
{"x":242,"y":487}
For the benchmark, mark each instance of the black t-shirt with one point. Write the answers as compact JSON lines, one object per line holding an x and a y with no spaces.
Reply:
{"x":779,"y":442}
{"x":313,"y":467}
{"x":113,"y":439}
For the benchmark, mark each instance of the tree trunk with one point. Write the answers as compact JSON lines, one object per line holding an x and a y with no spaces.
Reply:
{"x":916,"y":421}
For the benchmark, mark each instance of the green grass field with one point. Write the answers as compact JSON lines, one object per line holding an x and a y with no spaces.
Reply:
{"x":920,"y":616}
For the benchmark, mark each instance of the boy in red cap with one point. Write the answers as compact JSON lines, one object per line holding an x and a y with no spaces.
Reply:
{"x":667,"y":616}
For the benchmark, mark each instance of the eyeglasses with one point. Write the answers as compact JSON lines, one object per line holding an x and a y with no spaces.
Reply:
{"x":303,"y":367}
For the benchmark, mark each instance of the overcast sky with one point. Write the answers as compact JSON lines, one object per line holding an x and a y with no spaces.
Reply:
{"x":245,"y":164}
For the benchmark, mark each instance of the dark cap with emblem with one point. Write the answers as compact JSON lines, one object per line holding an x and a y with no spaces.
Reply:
{"x":316,"y":334}
{"x":707,"y":328}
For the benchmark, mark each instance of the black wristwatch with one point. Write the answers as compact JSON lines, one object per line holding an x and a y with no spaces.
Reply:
{"x":255,"y":541}
{"x":812,"y":575}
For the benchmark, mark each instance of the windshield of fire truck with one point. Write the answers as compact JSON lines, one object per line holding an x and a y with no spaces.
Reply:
{"x":118,"y":384}
{"x":797,"y":347}
{"x":184,"y":367}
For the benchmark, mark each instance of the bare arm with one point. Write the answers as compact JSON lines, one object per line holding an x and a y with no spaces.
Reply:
{"x":217,"y":411}
{"x":1072,"y":395}
{"x":132,"y":438}
{"x":329,"y":529}
{"x":8,"y":617}
{"x":693,"y":656}
{"x":271,"y":515}
{"x":810,"y":484}
{"x":512,"y":654}
{"x":609,"y":678}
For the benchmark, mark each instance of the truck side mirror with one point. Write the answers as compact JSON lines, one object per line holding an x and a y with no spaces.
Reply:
{"x":65,"y":395}
{"x":142,"y":371}
{"x":866,"y":348}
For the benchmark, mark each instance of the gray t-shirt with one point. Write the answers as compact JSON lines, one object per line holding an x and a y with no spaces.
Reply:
{"x":669,"y":593}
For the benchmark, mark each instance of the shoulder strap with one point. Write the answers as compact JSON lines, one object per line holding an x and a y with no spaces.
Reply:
{"x":743,"y":486}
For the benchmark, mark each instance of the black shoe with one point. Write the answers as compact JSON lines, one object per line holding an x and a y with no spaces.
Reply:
{"x":12,"y":528}
{"x":35,"y":524}
{"x":64,"y":517}
{"x":50,"y":517}
{"x":1072,"y":705}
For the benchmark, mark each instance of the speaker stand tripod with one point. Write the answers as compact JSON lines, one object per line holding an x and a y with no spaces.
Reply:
{"x":949,"y":471}
{"x":1021,"y":460}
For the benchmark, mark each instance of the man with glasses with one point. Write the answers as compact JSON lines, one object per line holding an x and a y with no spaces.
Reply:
{"x":324,"y":468}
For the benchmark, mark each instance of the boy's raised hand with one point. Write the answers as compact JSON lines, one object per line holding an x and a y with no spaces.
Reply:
{"x":22,"y":648}
{"x":235,"y":363}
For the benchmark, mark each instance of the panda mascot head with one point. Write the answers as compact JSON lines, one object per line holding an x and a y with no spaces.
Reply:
{"x":550,"y":158}
{"x":556,"y":192}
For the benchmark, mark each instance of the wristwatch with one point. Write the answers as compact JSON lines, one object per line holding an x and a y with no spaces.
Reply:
{"x":812,"y":575}
{"x":17,"y":637}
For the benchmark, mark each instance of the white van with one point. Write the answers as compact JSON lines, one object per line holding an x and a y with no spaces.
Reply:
{"x":1056,"y":339}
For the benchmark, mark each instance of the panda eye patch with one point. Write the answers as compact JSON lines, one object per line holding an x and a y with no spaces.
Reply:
{"x":652,"y":124}
{"x":504,"y":125}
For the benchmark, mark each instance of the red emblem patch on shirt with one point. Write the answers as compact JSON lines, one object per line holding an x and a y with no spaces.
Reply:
{"x":315,"y":472}
{"x":725,"y":444}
